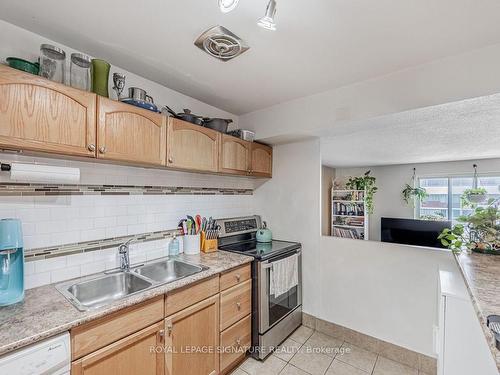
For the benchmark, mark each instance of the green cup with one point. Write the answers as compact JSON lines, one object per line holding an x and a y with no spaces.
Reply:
{"x":100,"y":77}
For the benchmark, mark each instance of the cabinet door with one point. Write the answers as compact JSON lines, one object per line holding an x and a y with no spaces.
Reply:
{"x":128,"y":133}
{"x":191,"y":146}
{"x":262,"y":160}
{"x":192,"y":337}
{"x":234,"y":155}
{"x":40,"y":115}
{"x":133,"y":355}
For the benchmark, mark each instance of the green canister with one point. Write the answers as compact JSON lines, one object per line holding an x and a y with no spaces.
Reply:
{"x":100,"y":77}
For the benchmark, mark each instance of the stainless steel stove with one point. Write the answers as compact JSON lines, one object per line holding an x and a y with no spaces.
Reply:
{"x":273,"y":318}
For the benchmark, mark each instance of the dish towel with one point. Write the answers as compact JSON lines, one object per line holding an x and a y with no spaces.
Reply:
{"x":284,"y":275}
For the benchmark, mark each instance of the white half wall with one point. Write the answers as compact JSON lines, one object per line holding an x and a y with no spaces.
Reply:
{"x":290,"y":203}
{"x":384,"y":290}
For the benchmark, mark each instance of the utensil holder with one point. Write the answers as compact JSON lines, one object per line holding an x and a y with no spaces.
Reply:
{"x":208,"y":246}
{"x":191,"y":244}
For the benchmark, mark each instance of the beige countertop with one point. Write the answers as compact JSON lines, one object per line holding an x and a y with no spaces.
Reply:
{"x":45,"y":312}
{"x":482,"y":277}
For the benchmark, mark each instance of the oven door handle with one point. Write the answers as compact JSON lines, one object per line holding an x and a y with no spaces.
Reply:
{"x":267,"y":264}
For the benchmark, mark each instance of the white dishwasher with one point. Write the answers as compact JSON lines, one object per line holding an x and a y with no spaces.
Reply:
{"x":49,"y":357}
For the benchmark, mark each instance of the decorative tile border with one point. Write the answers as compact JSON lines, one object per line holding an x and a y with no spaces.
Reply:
{"x":85,"y":247}
{"x":418,"y":361}
{"x":27,"y":189}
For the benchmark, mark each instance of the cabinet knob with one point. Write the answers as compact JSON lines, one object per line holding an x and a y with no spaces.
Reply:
{"x":238,"y":341}
{"x":238,"y":277}
{"x":170,"y":160}
{"x":91,"y":147}
{"x":102,"y":149}
{"x":238,"y":305}
{"x":169,"y":329}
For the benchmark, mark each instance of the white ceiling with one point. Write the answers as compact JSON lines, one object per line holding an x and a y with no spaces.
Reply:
{"x":464,"y":130}
{"x":319,"y":45}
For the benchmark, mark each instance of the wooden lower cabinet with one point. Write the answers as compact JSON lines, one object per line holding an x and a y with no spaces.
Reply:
{"x":234,"y":342}
{"x":192,"y":339}
{"x":132,"y":355}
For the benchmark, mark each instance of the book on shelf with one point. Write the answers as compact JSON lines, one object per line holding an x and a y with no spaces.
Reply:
{"x":347,"y":233}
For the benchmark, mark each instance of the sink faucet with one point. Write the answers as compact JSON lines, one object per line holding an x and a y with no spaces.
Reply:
{"x":123,"y":250}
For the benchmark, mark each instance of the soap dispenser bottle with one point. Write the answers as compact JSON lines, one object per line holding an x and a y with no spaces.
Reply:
{"x":11,"y":262}
{"x":173,"y":246}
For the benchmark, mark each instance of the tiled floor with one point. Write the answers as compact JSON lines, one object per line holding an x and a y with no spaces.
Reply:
{"x":307,"y":352}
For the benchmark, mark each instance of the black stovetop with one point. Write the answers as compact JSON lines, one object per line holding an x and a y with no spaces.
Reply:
{"x":261,"y":250}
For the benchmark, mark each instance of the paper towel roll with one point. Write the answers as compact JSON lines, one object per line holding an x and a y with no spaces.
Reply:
{"x":44,"y":173}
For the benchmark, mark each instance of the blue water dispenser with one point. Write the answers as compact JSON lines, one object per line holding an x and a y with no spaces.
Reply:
{"x":11,"y":262}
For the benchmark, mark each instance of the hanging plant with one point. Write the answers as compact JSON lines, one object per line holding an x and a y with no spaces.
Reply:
{"x":366,"y":183}
{"x":478,"y":232}
{"x":472,"y":197}
{"x":411,"y":194}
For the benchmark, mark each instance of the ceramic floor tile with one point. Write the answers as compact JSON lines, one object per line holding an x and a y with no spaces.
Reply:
{"x":324,"y":344}
{"x":238,"y":372}
{"x":386,"y":366}
{"x":287,"y":350}
{"x":311,"y":362}
{"x":357,"y":357}
{"x":292,"y":370}
{"x":340,"y":368}
{"x":301,"y":334}
{"x":271,"y":366}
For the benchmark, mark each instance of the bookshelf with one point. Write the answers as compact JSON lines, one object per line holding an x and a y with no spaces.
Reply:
{"x":349,"y":217}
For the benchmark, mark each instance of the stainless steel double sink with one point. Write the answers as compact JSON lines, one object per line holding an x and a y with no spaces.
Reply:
{"x":102,"y":290}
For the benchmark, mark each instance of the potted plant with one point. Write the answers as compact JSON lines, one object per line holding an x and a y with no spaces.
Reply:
{"x":411,"y":194}
{"x":478,"y":232}
{"x":366,"y":183}
{"x":472,"y":197}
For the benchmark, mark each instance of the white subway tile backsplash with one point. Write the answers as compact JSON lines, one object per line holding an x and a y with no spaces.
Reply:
{"x":80,"y":259}
{"x":50,"y":264}
{"x":90,"y":268}
{"x":65,"y":274}
{"x":36,"y":280}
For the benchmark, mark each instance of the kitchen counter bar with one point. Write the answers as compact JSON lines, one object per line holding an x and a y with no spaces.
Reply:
{"x":482,"y":277}
{"x":45,"y":312}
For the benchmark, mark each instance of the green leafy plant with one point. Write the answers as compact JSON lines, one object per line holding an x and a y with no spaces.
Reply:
{"x":366,"y":183}
{"x":471,"y":197}
{"x":433,"y":217}
{"x":479,"y":231}
{"x":411,"y":194}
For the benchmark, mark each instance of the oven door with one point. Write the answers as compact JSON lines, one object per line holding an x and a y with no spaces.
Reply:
{"x":272,"y":309}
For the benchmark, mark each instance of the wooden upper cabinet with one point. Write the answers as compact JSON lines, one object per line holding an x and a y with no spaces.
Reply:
{"x":40,"y":115}
{"x":234,"y":155}
{"x":261,"y":160}
{"x":132,"y":355}
{"x":192,"y":146}
{"x":196,"y":328}
{"x":131,"y":134}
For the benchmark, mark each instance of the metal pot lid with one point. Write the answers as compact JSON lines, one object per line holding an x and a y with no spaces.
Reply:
{"x":53,"y":51}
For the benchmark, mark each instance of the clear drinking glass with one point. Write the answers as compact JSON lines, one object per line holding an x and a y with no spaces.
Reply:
{"x":52,"y":63}
{"x":80,"y":76}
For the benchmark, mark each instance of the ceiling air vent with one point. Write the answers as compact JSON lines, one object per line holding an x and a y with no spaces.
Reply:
{"x":221,"y":43}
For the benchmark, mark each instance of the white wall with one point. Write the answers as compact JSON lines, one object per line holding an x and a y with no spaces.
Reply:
{"x":18,"y":42}
{"x":384,"y":290}
{"x":290,"y":202}
{"x":392,"y":178}
{"x":468,"y":75}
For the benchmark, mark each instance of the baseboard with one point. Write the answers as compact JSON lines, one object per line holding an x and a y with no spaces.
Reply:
{"x":421,"y":362}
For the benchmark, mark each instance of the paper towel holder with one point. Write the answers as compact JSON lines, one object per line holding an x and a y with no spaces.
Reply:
{"x":5,"y":167}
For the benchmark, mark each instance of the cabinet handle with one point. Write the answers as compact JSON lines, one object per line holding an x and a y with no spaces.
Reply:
{"x":238,"y":305}
{"x":91,"y":147}
{"x":161,"y":333}
{"x":238,"y":341}
{"x":169,"y":329}
{"x":102,"y":149}
{"x":238,"y":277}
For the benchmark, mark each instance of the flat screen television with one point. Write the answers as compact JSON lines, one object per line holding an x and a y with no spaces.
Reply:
{"x":412,"y":231}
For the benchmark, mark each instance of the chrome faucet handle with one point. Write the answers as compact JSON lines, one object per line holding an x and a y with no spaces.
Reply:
{"x":123,"y":250}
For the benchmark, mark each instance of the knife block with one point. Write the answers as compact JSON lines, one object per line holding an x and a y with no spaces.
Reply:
{"x":208,"y":246}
